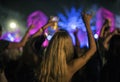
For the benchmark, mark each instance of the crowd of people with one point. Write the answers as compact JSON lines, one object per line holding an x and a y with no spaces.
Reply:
{"x":61,"y":60}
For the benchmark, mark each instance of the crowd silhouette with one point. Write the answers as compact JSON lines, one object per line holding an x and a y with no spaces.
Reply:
{"x":61,"y":60}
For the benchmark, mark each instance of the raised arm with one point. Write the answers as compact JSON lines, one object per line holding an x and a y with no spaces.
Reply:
{"x":104,"y":26}
{"x":107,"y":39}
{"x":78,"y":63}
{"x":23,"y":41}
{"x":42,"y":29}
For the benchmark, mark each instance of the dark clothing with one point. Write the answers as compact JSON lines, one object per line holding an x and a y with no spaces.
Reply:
{"x":16,"y":71}
{"x":11,"y":70}
{"x":25,"y":74}
{"x":111,"y":71}
{"x":33,"y":48}
{"x":37,"y":44}
{"x":101,"y":49}
{"x":19,"y":70}
{"x":3,"y":45}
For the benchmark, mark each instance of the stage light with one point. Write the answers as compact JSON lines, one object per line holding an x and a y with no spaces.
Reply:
{"x":10,"y":37}
{"x":13,"y":25}
{"x":72,"y":20}
{"x":38,"y":18}
{"x":101,"y":15}
{"x":96,"y":36}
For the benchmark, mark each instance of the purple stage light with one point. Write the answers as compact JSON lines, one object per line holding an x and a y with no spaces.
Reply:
{"x":12,"y":36}
{"x":38,"y":19}
{"x":103,"y":14}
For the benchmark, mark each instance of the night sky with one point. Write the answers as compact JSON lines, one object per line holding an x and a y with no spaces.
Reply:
{"x":52,"y":7}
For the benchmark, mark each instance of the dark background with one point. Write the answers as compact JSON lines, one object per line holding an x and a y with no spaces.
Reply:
{"x":53,"y":6}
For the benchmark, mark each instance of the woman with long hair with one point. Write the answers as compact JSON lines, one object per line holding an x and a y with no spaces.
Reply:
{"x":58,"y":64}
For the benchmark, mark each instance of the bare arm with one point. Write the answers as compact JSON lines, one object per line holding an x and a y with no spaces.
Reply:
{"x":41,"y":30}
{"x":107,"y":39}
{"x":106,"y":24}
{"x":22,"y":42}
{"x":78,"y":63}
{"x":102,"y":31}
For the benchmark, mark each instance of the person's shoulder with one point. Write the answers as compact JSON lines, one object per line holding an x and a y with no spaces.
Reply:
{"x":4,"y":44}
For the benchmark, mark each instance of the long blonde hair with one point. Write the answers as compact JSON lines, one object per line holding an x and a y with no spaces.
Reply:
{"x":59,"y":52}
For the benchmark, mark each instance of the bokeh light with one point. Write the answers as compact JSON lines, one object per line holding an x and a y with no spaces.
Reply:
{"x":13,"y":25}
{"x":38,"y":19}
{"x":103,"y":14}
{"x":96,"y":36}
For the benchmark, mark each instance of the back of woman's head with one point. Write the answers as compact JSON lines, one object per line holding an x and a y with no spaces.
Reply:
{"x":62,"y":43}
{"x":59,"y":52}
{"x":114,"y":47}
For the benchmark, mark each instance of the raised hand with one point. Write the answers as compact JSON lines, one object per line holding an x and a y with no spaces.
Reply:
{"x":86,"y":17}
{"x":31,"y":27}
